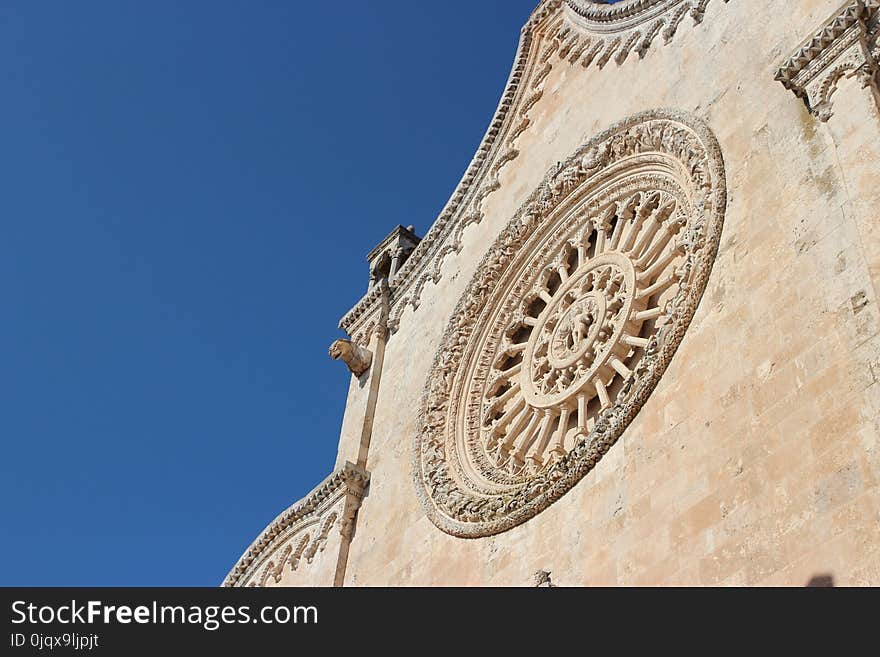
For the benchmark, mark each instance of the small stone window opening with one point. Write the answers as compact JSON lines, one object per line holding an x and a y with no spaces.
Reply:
{"x":381,"y":270}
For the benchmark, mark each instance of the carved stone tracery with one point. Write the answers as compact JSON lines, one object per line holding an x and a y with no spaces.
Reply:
{"x":568,"y":324}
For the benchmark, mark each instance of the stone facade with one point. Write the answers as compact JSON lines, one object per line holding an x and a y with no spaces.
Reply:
{"x":646,"y":322}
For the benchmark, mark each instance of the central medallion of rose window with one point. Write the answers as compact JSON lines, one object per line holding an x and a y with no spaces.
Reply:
{"x":579,"y":337}
{"x":584,"y":325}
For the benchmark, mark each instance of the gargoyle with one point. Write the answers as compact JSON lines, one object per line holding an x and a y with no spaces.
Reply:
{"x":355,"y":357}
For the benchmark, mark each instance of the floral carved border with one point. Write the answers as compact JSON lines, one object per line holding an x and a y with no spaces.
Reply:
{"x":574,"y":32}
{"x":661,"y":134}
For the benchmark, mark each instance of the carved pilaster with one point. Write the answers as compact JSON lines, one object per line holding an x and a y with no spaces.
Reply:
{"x":843,"y":47}
{"x":357,"y":424}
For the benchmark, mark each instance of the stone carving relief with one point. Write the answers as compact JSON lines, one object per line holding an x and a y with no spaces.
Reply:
{"x":569,"y":322}
{"x":303,"y":531}
{"x":600,"y":32}
{"x":559,"y":32}
{"x":846,"y":45}
{"x":543,"y":579}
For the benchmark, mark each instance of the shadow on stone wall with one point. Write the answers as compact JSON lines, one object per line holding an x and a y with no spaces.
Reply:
{"x":823,"y":581}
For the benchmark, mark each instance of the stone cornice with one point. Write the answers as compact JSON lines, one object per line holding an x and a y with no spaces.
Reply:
{"x":347,"y":480}
{"x":558,"y":31}
{"x":843,"y":46}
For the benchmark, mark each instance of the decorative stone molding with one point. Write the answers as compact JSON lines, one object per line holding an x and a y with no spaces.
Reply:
{"x":845,"y":45}
{"x":299,"y":534}
{"x":614,"y":31}
{"x":558,"y":32}
{"x":357,"y":358}
{"x":571,"y":319}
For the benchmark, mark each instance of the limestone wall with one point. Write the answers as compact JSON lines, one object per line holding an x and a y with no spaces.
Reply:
{"x":756,"y":458}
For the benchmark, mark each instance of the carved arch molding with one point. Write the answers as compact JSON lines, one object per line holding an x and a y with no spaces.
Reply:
{"x":323,"y":521}
{"x":575,"y":33}
{"x":570,"y":321}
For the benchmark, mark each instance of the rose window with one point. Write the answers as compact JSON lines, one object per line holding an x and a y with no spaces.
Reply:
{"x":569,"y":322}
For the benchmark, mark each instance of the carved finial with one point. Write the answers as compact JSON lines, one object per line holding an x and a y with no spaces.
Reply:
{"x":355,"y":357}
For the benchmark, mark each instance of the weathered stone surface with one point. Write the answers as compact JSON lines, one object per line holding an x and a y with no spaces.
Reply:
{"x":756,"y":457}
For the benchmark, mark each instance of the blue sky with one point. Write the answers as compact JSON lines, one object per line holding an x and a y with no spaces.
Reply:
{"x":189,"y":191}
